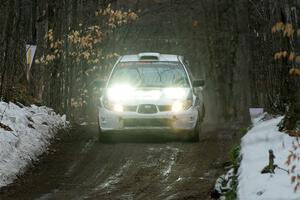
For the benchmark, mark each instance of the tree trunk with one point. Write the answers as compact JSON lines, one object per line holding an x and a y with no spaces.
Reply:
{"x":8,"y":34}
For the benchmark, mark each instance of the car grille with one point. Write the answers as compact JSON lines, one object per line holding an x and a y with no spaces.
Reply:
{"x":165,"y":108}
{"x":147,"y":123}
{"x":147,"y":109}
{"x":130,"y":108}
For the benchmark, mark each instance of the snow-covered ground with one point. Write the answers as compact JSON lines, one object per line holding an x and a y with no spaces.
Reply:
{"x":254,"y":149}
{"x":25,"y":133}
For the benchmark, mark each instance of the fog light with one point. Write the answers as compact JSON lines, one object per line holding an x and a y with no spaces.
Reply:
{"x":118,"y":107}
{"x":177,"y":106}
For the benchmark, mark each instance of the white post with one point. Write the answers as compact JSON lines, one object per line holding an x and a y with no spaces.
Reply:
{"x":30,"y":52}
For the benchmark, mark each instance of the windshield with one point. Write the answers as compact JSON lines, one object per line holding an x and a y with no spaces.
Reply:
{"x":150,"y":74}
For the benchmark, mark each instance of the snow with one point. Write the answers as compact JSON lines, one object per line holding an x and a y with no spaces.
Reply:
{"x":32,"y":128}
{"x":255,"y":156}
{"x":224,"y":183}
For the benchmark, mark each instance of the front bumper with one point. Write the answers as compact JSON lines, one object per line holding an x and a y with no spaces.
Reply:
{"x":110,"y":121}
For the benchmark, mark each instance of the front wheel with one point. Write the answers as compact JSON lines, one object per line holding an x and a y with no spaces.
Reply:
{"x":194,"y":136}
{"x":100,"y":134}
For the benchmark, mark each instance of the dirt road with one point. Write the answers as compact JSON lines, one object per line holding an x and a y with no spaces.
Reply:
{"x":77,"y":166}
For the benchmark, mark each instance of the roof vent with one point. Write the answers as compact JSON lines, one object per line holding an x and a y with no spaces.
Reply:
{"x":149,"y":56}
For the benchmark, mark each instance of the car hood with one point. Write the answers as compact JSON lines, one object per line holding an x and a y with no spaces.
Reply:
{"x":158,"y":96}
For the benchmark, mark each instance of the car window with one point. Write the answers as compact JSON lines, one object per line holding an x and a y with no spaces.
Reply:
{"x":150,"y":74}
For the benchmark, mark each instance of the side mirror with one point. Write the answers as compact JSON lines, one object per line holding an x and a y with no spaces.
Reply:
{"x":198,"y":83}
{"x":99,"y":83}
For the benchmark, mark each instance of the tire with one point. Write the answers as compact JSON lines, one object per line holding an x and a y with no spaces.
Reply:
{"x":100,"y":135}
{"x":203,"y":113}
{"x":194,"y":136}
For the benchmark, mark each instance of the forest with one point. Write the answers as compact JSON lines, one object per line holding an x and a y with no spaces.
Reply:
{"x":247,"y":51}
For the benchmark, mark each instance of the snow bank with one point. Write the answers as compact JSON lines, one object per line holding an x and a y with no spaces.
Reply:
{"x":254,"y":149}
{"x":24,"y":135}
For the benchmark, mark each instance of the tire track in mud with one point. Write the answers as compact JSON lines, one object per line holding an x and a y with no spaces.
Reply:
{"x":82,"y":168}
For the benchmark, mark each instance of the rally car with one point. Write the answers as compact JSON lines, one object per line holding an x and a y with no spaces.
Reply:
{"x":152,"y":92}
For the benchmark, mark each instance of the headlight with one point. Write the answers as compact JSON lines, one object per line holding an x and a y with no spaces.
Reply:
{"x":118,"y":92}
{"x":179,"y":106}
{"x":175,"y":93}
